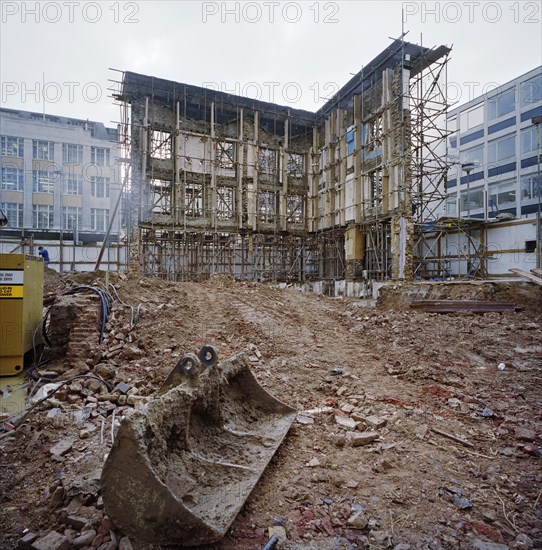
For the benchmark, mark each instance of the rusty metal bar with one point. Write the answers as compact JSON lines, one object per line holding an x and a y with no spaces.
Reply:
{"x":451,"y":306}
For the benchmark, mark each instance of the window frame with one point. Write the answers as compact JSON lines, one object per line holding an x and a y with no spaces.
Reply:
{"x":43,"y":187}
{"x":42,"y":145}
{"x":4,"y":146}
{"x":17,"y":185}
{"x":100,"y":156}
{"x":67,"y":215}
{"x":94,"y":213}
{"x":494,"y":189}
{"x":100,"y":183}
{"x":38,"y":209}
{"x":68,"y":152}
{"x":496,"y":112}
{"x":7,"y":208}
{"x":530,"y":91}
{"x":497,"y":142}
{"x":468,"y":114}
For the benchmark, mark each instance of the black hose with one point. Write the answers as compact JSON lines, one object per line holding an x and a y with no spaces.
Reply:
{"x":271,"y":543}
{"x":105,"y":299}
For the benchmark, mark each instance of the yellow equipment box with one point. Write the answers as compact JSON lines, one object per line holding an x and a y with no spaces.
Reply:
{"x":21,"y":309}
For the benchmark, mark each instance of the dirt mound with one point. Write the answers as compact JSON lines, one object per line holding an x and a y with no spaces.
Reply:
{"x":399,"y":296}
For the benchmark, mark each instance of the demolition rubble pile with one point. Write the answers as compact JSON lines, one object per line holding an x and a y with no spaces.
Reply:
{"x":413,"y":429}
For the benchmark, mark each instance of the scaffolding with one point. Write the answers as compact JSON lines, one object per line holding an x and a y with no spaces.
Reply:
{"x":428,"y":101}
{"x":222,"y":184}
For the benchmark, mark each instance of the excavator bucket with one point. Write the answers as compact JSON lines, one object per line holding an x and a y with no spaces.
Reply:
{"x":182,"y":466}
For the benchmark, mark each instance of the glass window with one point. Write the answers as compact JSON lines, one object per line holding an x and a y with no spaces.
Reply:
{"x":475,"y":199}
{"x":452,"y":124}
{"x":72,"y":217}
{"x":43,"y":182}
{"x":12,"y":179}
{"x":72,"y":153}
{"x":14,"y":213}
{"x":471,"y":118}
{"x":529,"y":140}
{"x":451,"y":205}
{"x":99,"y":219}
{"x":531,"y":91}
{"x":531,"y":186}
{"x":43,"y":150}
{"x":100,"y":156}
{"x":501,"y":104}
{"x":474,"y":155}
{"x":99,"y":187}
{"x":500,"y":194}
{"x":502,"y":149}
{"x":43,"y":216}
{"x":73,"y":184}
{"x":12,"y":146}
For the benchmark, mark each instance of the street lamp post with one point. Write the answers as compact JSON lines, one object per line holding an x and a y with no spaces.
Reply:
{"x":468,"y":167}
{"x":537,"y":121}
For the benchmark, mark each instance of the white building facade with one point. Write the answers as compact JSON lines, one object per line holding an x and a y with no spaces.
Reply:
{"x":495,"y":172}
{"x":59,"y":184}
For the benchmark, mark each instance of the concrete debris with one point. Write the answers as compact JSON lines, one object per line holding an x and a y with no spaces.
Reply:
{"x":44,"y":392}
{"x":318,"y":411}
{"x":304,"y":419}
{"x":358,"y":439}
{"x":358,"y":520}
{"x":375,"y":422}
{"x":54,"y":413}
{"x":52,"y":541}
{"x":84,"y":539}
{"x":382,"y":466}
{"x":484,"y":545}
{"x":522,"y":542}
{"x":421,"y":431}
{"x":346,"y":422}
{"x":524,"y":434}
{"x":76,"y":522}
{"x":125,"y":544}
{"x":26,"y":541}
{"x":62,"y":447}
{"x":278,"y":531}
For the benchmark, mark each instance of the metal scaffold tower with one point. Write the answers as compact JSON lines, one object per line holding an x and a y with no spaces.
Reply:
{"x":428,"y":103}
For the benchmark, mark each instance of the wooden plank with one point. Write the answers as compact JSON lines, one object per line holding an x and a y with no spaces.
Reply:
{"x":537,"y":271}
{"x":530,"y":276}
{"x":452,"y":437}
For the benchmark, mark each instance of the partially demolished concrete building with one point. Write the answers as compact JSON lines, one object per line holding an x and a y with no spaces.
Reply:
{"x":226,"y":184}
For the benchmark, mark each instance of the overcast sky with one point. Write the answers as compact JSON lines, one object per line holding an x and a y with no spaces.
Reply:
{"x":293,"y":53}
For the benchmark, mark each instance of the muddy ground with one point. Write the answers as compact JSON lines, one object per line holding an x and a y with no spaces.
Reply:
{"x":453,"y":454}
